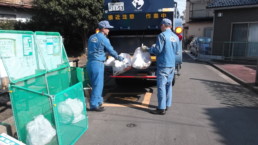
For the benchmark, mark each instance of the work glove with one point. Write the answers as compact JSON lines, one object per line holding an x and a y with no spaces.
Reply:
{"x":120,"y":58}
{"x":144,"y":48}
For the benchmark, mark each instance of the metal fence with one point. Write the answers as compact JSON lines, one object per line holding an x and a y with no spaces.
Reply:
{"x":203,"y":13}
{"x":236,"y":50}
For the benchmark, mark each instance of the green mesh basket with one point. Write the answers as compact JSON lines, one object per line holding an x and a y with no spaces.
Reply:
{"x":69,"y":128}
{"x":41,"y":82}
{"x":80,"y":74}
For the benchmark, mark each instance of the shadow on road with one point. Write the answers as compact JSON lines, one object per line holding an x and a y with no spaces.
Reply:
{"x":236,"y":123}
{"x":7,"y":127}
{"x":131,"y":86}
{"x":236,"y":126}
{"x":188,"y":59}
{"x":230,"y":94}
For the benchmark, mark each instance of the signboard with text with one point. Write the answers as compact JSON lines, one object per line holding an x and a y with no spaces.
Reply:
{"x":137,"y":14}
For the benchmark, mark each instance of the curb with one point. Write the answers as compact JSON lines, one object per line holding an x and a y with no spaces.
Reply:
{"x":238,"y":80}
{"x":194,"y":58}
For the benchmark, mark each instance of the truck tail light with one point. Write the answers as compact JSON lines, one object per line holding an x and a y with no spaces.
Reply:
{"x":179,"y":30}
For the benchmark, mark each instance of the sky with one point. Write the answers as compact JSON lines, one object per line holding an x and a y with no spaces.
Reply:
{"x":181,"y":5}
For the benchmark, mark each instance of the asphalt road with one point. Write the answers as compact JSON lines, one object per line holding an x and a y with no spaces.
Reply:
{"x":208,"y":109}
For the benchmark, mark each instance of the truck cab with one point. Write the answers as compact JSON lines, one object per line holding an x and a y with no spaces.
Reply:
{"x":137,"y":22}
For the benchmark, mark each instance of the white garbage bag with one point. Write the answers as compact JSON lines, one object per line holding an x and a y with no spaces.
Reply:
{"x":71,"y":111}
{"x":120,"y":67}
{"x":110,"y":61}
{"x":39,"y":131}
{"x":141,"y":60}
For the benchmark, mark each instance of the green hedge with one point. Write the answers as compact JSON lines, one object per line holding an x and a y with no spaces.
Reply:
{"x":7,"y":25}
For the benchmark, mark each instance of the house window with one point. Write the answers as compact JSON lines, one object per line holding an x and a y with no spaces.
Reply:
{"x":7,"y":17}
{"x":239,"y":32}
{"x":253,"y":32}
{"x":245,"y":40}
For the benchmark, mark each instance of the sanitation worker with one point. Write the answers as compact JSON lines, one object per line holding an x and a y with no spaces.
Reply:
{"x":98,"y":45}
{"x":165,"y":49}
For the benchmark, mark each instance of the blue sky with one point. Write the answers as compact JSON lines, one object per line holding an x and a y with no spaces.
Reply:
{"x":181,"y":5}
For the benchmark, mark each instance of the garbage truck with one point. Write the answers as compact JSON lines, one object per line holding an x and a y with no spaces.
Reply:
{"x":137,"y":22}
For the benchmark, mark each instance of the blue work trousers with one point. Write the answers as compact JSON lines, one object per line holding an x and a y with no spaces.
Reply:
{"x":165,"y":76}
{"x":95,"y":71}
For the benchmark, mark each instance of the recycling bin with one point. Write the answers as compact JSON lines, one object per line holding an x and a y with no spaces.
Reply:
{"x":42,"y":84}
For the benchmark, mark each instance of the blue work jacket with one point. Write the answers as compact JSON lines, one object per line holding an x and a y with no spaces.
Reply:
{"x":98,"y":45}
{"x":166,"y":48}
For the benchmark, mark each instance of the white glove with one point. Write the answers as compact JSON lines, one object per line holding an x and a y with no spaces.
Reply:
{"x":144,"y":48}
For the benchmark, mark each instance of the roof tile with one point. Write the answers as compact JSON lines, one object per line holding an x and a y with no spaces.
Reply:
{"x":231,"y":3}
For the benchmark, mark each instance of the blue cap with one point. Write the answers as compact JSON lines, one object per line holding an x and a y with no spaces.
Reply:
{"x":166,"y":21}
{"x":105,"y":24}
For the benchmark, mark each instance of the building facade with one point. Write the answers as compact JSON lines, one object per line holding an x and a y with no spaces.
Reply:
{"x":12,"y":10}
{"x":19,"y":10}
{"x":235,"y":29}
{"x":198,"y":19}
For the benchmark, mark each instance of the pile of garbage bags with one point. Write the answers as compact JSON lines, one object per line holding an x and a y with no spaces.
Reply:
{"x":120,"y":67}
{"x":139,"y":60}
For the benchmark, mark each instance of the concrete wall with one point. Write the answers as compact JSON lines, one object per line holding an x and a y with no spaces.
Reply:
{"x":196,"y":18}
{"x":187,"y":12}
{"x":197,"y":28}
{"x":223,"y":25}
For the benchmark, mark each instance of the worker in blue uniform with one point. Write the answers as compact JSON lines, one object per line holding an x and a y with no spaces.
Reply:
{"x":165,"y":49}
{"x":98,"y":45}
